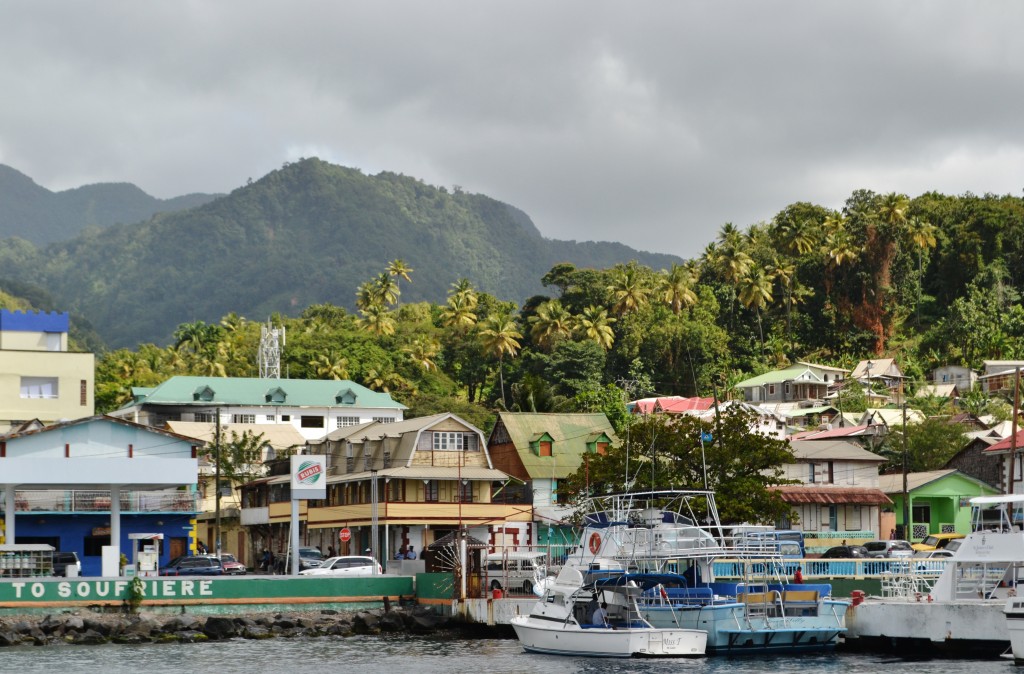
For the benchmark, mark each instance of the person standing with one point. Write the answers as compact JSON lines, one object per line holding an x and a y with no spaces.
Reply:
{"x":798,"y":576}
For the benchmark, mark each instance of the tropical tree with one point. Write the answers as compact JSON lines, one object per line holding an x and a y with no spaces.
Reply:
{"x":329,"y":366}
{"x":551,"y":322}
{"x":677,"y":287}
{"x":627,"y":289}
{"x":755,"y":291}
{"x":422,"y":351}
{"x":377,"y":320}
{"x":499,"y":336}
{"x":596,"y":325}
{"x":399,"y":269}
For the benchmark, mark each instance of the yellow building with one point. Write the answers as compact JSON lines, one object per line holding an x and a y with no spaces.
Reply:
{"x":39,"y":378}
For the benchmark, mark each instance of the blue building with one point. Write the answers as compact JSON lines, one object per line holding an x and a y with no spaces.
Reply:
{"x":85,"y":485}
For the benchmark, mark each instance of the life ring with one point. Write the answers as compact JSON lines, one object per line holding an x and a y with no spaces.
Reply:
{"x":595,"y":542}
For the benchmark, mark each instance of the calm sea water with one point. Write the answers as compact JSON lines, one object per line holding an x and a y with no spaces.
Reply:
{"x":420,"y":655}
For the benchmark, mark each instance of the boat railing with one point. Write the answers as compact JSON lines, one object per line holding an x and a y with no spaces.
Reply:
{"x":725,"y":568}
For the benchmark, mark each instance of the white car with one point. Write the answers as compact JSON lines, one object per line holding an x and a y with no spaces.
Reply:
{"x":345,"y":566}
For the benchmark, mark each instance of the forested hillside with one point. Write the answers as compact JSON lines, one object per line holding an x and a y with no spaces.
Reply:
{"x":305,"y":234}
{"x":38,"y":215}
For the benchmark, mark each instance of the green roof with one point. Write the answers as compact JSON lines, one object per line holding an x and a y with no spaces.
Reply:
{"x":570,"y":434}
{"x":257,"y":392}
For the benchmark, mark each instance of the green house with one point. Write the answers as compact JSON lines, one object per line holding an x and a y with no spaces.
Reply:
{"x":939,"y":500}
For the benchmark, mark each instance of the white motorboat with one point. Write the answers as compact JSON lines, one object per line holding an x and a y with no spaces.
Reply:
{"x":559,"y":625}
{"x":1015,"y":627}
{"x":969,"y":607}
{"x":652,"y":540}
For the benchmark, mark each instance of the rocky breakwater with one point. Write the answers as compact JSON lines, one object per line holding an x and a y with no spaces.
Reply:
{"x":101,"y":628}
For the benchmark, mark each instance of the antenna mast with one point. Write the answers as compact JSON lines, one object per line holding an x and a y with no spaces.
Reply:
{"x":272,"y":340}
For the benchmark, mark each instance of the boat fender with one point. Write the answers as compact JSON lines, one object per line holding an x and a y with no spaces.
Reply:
{"x":595,"y":542}
{"x":917,"y":596}
{"x":929,"y":599}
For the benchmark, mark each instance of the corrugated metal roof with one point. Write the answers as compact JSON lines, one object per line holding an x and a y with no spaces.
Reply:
{"x":252,"y":391}
{"x":823,"y":450}
{"x":827,"y":494}
{"x":892,"y":483}
{"x":278,"y":436}
{"x":790,"y":373}
{"x":569,"y":433}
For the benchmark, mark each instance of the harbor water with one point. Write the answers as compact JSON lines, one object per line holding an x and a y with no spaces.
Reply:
{"x":415,"y":654}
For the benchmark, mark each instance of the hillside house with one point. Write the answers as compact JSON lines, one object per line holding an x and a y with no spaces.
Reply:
{"x":999,"y":375}
{"x":939,"y":500}
{"x":964,"y":377}
{"x":881,"y":372}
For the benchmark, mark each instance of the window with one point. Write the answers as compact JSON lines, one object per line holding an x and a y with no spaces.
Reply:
{"x":466,"y":491}
{"x":545,"y":448}
{"x":205,"y":417}
{"x":771,"y":389}
{"x":39,"y":387}
{"x":810,"y":476}
{"x":342,"y":422}
{"x":396,"y":490}
{"x":53,"y":341}
{"x":271,"y":418}
{"x":93,"y":545}
{"x":431,"y":491}
{"x":310,"y":421}
{"x":387,"y":460}
{"x":444,"y":440}
{"x":243,"y":418}
{"x":384,"y":420}
{"x":83,"y":393}
{"x":286,"y":417}
{"x":602,"y":448}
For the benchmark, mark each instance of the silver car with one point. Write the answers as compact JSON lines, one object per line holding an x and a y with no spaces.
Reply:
{"x":895,"y":549}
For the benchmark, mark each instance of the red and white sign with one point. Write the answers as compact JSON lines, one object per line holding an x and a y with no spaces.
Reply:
{"x":344,"y":535}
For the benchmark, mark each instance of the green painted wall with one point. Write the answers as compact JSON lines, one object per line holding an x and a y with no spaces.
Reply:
{"x":948,"y":498}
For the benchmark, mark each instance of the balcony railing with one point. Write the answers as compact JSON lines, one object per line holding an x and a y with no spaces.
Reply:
{"x":91,"y":501}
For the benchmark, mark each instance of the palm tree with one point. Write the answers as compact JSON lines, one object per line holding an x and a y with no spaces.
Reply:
{"x":422,"y":351}
{"x":376,"y":319}
{"x":464,"y":290}
{"x":366,"y":295}
{"x":458,"y":313}
{"x":386,"y":288}
{"x":627,"y":289}
{"x":551,"y":322}
{"x":798,"y":235}
{"x":922,"y":233}
{"x":399,"y":269}
{"x":784,"y":272}
{"x":677,"y":287}
{"x":756,"y":292}
{"x":329,"y":366}
{"x":499,"y":337}
{"x":596,"y":325}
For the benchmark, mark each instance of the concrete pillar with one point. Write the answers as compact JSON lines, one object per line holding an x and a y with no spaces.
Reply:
{"x":115,"y":516}
{"x":9,"y":513}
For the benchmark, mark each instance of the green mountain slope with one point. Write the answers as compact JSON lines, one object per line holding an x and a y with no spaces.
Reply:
{"x":307,"y":233}
{"x":38,"y":215}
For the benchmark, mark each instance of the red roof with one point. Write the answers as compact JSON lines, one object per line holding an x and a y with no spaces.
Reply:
{"x":1004,"y":444}
{"x":680,"y":405}
{"x":832,"y":495}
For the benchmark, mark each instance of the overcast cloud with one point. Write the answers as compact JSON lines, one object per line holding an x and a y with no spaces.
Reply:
{"x":650,"y":123}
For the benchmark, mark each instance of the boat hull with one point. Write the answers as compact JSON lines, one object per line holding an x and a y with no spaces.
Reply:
{"x":1014,"y":612}
{"x":573,"y":640}
{"x":962,"y":628}
{"x":731,"y":632}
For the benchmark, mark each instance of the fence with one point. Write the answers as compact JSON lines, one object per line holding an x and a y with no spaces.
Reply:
{"x":88,"y":501}
{"x":840,"y":568}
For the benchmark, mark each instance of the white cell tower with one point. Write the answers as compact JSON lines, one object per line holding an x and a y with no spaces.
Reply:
{"x":272,"y":340}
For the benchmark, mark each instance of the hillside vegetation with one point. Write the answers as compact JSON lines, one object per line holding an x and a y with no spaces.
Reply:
{"x":306,"y":234}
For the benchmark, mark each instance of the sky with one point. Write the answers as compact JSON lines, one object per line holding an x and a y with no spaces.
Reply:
{"x":652,"y":123}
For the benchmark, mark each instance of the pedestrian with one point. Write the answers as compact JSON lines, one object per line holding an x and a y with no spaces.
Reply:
{"x":411,"y":554}
{"x":266,"y":560}
{"x":892,"y":534}
{"x":201,"y":547}
{"x":330,"y":550}
{"x":798,"y":576}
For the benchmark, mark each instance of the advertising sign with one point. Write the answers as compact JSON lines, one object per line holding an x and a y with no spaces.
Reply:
{"x":309,"y":476}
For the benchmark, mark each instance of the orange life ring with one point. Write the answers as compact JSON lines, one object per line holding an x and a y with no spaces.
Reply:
{"x":595,"y":542}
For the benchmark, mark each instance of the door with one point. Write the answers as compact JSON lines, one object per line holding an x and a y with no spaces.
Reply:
{"x":177,"y":547}
{"x":833,"y":518}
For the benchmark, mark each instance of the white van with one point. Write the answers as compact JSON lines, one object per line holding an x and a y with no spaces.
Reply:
{"x":515,"y":571}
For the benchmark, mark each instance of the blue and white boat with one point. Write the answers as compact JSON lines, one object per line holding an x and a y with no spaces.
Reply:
{"x":652,"y":541}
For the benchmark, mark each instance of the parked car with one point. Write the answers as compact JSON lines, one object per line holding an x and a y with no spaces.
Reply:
{"x":936,"y":541}
{"x":193,"y":565}
{"x":889,"y":549}
{"x":846,"y":552}
{"x":345,"y":566}
{"x":931,"y":561}
{"x":232,"y":566}
{"x":934,"y":554}
{"x":310,"y":558}
{"x":63,"y":560}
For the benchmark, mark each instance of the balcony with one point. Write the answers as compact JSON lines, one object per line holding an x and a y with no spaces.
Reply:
{"x":97,"y":501}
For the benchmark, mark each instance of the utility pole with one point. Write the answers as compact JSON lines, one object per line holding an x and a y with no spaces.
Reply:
{"x":907,"y":528}
{"x":216,"y":485}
